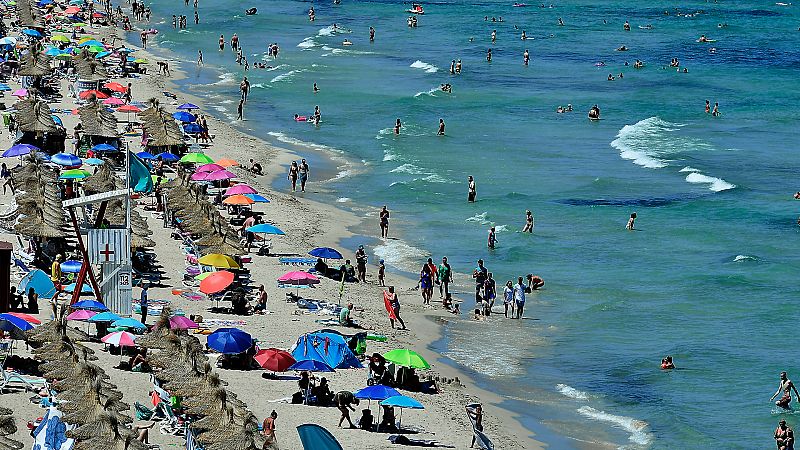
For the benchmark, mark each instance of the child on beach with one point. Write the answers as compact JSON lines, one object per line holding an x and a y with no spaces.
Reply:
{"x":381,"y":273}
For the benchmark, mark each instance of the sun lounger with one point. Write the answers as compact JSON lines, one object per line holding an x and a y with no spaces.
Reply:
{"x":12,"y":379}
{"x":297,"y":261}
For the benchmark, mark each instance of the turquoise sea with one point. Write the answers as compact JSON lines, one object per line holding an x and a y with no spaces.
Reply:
{"x":709,"y":276}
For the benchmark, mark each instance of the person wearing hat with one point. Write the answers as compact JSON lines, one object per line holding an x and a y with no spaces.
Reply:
{"x":361,"y":264}
{"x":381,"y":273}
{"x":55,"y":271}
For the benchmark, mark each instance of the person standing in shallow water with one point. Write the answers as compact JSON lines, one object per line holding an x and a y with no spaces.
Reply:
{"x":492,"y":240}
{"x":441,"y":128}
{"x":384,"y":221}
{"x":471,"y":189}
{"x":786,"y":386}
{"x":630,"y":225}
{"x":397,"y":126}
{"x":528,"y":228}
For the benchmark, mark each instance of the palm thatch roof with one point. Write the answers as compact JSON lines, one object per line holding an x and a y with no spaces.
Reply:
{"x":96,"y":120}
{"x":88,"y":67}
{"x":33,"y":64}
{"x":28,"y":15}
{"x":34,"y":116}
{"x":161,"y":128}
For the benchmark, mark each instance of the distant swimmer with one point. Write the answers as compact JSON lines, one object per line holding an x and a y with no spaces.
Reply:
{"x":251,"y":11}
{"x":622,"y":48}
{"x":471,"y":189}
{"x":316,"y":89}
{"x":526,"y":57}
{"x":458,"y":66}
{"x":667,"y":364}
{"x":631,"y":222}
{"x":716,"y":112}
{"x":489,"y":55}
{"x":453,"y":67}
{"x":627,"y":26}
{"x":492,"y":239}
{"x":199,"y":57}
{"x":528,"y":228}
{"x":786,"y":386}
{"x":447,"y":88}
{"x":221,"y":42}
{"x":441,"y":128}
{"x":346,"y":42}
{"x":703,"y":38}
{"x":524,"y":36}
{"x":397,"y":126}
{"x":708,"y":107}
{"x":371,"y":34}
{"x":311,"y":15}
{"x":494,"y":36}
{"x":560,"y":22}
{"x":594,"y":113}
{"x":611,"y":77}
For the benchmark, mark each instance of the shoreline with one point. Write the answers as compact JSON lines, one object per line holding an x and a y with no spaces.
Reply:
{"x":279,"y":157}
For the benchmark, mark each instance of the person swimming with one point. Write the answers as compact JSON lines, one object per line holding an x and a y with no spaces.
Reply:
{"x":666,"y":363}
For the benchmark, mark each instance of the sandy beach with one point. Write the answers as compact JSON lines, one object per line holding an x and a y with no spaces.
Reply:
{"x":308,"y":223}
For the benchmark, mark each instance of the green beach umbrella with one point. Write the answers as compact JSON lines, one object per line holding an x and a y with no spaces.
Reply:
{"x":407,"y":358}
{"x":95,"y":49}
{"x":59,"y":38}
{"x":79,"y":24}
{"x":141,"y":61}
{"x":74,"y":174}
{"x":64,"y":56}
{"x":202,"y":276}
{"x":199,"y":158}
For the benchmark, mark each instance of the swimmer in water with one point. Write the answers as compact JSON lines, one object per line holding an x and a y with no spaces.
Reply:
{"x":631,"y":221}
{"x":221,"y":42}
{"x":786,"y":386}
{"x":453,"y":67}
{"x":371,"y":34}
{"x":560,"y":22}
{"x":708,"y":107}
{"x":458,"y":66}
{"x":528,"y":228}
{"x":627,"y":26}
{"x":316,"y":89}
{"x":441,"y":128}
{"x":397,"y":126}
{"x":703,"y":38}
{"x":666,"y":363}
{"x":489,"y":55}
{"x":524,"y":36}
{"x":494,"y":36}
{"x":526,"y":57}
{"x":715,"y":112}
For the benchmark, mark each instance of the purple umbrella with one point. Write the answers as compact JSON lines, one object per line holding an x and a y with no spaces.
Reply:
{"x":211,"y":167}
{"x":220,"y":175}
{"x":240,"y":189}
{"x":182,"y":323}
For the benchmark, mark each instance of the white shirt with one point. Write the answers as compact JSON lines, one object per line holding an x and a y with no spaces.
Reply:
{"x":519,"y":293}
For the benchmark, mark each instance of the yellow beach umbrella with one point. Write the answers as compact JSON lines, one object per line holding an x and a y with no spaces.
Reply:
{"x":219,"y":261}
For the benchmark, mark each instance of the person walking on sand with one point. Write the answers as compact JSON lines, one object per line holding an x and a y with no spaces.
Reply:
{"x":631,"y":221}
{"x":519,"y":297}
{"x":293,"y":174}
{"x":444,"y":275}
{"x":143,"y":302}
{"x":441,"y":128}
{"x":786,"y":386}
{"x":361,"y":264}
{"x":476,"y":416}
{"x":384,"y":220}
{"x":344,"y":401}
{"x":268,"y":429}
{"x":394,"y":303}
{"x":240,"y":110}
{"x":528,"y":228}
{"x":302,"y":171}
{"x":426,"y":284}
{"x":471,"y":189}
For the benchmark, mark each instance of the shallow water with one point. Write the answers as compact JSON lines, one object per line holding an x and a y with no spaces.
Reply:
{"x":703,"y":279}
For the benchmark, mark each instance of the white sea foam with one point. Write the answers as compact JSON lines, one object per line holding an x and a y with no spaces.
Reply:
{"x":389,"y":156}
{"x":307,"y":43}
{"x":637,"y":428}
{"x":714,"y":184}
{"x":278,"y":67}
{"x":286,"y":76}
{"x":740,"y":258}
{"x":400,"y":254}
{"x":689,"y":169}
{"x":480,"y":218}
{"x":430,"y":93}
{"x":436,"y":178}
{"x":429,"y":68}
{"x":327,"y":31}
{"x":226,"y":78}
{"x":500,"y":228}
{"x":644,"y":142}
{"x":343,"y":174}
{"x":408,"y":168}
{"x":571,"y":392}
{"x":297,"y":142}
{"x":342,"y":199}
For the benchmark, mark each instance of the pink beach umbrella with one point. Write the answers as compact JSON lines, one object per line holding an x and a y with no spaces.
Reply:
{"x":20,"y":93}
{"x":182,"y":323}
{"x":120,"y":338}
{"x":220,"y":175}
{"x":240,"y":189}
{"x":298,"y":278}
{"x":113,"y":101}
{"x":211,"y":167}
{"x":199,"y":176}
{"x":81,"y":314}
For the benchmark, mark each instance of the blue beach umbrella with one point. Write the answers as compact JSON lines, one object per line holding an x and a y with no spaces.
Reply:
{"x":184,"y":116}
{"x":128,"y":323}
{"x":19,"y":150}
{"x":325,"y":253}
{"x":3,"y":86}
{"x":104,"y":148}
{"x":102,"y":55}
{"x":258,"y":198}
{"x":192,"y":128}
{"x":188,"y":106}
{"x":53,"y":51}
{"x":66,"y":159}
{"x":311,"y":365}
{"x":107,"y":316}
{"x":402,"y":402}
{"x":33,"y":33}
{"x":91,"y":43}
{"x":230,"y":340}
{"x":92,"y":305}
{"x":85,"y":289}
{"x":10,"y":323}
{"x":39,"y":281}
{"x":376,"y":392}
{"x":57,"y":120}
{"x":145,"y":155}
{"x":93,"y":161}
{"x":71,"y":266}
{"x":168,"y":157}
{"x":266,"y":229}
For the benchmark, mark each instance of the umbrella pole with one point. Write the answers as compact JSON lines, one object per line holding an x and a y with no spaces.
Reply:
{"x":400,"y":422}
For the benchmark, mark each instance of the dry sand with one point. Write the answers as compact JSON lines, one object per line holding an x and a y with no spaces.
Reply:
{"x":308,"y":224}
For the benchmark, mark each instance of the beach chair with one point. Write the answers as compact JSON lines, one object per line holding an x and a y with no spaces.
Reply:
{"x":12,"y":379}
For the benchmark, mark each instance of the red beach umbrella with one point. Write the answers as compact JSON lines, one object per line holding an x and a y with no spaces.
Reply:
{"x":93,"y":92}
{"x":26,"y":317}
{"x":116,"y":87}
{"x":274,"y":359}
{"x":216,"y":282}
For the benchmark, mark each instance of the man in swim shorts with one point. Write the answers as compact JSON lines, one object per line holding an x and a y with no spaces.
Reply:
{"x":786,"y":386}
{"x":784,"y":436}
{"x":303,"y":170}
{"x":472,"y":191}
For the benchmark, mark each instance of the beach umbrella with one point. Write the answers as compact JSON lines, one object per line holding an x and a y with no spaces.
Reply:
{"x":239,"y":200}
{"x":218,"y":261}
{"x":184,"y":116}
{"x":188,"y":106}
{"x":128,"y":322}
{"x":106,"y":316}
{"x":211,"y":167}
{"x":266,"y":229}
{"x":113,"y":101}
{"x":85,"y":288}
{"x":298,"y":279}
{"x":57,"y":120}
{"x":192,"y":128}
{"x":20,"y":93}
{"x":33,"y":33}
{"x":60,"y":37}
{"x":167,"y":156}
{"x":225,"y":162}
{"x":203,"y":276}
{"x":93,"y":161}
{"x":129,"y":109}
{"x":81,"y":314}
{"x":93,"y":93}
{"x":89,"y":42}
{"x":102,"y":55}
{"x":219,"y":175}
{"x":240,"y":189}
{"x":311,"y":365}
{"x":274,"y":360}
{"x":406,"y":358}
{"x":53,"y":51}
{"x":3,"y":86}
{"x":8,"y":40}
{"x":74,"y":174}
{"x":325,"y":253}
{"x":120,"y":339}
{"x":216,"y":282}
{"x":11,"y":323}
{"x":104,"y":148}
{"x":257,"y":198}
{"x":26,"y":317}
{"x":90,"y":305}
{"x":197,"y":158}
{"x":229,"y":340}
{"x":402,"y":402}
{"x":19,"y":150}
{"x":145,"y":155}
{"x":376,"y":392}
{"x":182,"y":323}
{"x":66,"y":159}
{"x":116,"y":87}
{"x":71,"y":266}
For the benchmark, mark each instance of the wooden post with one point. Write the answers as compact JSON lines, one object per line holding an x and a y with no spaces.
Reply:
{"x":5,"y":275}
{"x":86,"y":267}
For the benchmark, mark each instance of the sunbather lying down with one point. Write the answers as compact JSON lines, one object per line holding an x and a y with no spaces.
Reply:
{"x":403,"y":440}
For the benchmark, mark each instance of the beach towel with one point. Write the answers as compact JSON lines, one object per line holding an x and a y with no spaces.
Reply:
{"x":50,"y":434}
{"x":388,"y":303}
{"x":481,"y":439}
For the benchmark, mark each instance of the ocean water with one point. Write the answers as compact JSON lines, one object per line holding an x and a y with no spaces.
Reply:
{"x":709,"y":275}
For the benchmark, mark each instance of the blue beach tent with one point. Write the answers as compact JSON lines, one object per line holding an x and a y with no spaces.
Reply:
{"x":327,"y":347}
